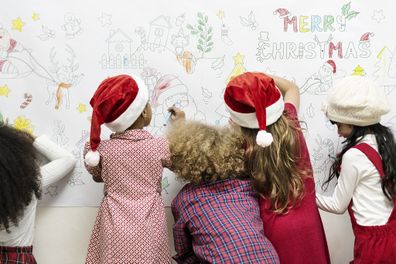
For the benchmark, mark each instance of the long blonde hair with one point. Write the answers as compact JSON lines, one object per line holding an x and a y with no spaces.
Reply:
{"x":274,"y":169}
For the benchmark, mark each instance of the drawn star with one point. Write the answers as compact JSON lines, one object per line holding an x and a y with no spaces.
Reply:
{"x":378,"y":15}
{"x":81,"y":108}
{"x":35,"y":16}
{"x":105,"y":19}
{"x":23,"y":124}
{"x":17,"y":24}
{"x":4,"y":91}
{"x":220,"y":14}
{"x":239,"y":58}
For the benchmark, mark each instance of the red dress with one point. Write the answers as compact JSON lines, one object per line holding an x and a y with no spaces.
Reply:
{"x":297,"y":236}
{"x":131,"y":223}
{"x":374,"y":244}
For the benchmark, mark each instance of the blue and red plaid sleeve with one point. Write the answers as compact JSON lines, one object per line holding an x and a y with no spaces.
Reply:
{"x":182,"y":238}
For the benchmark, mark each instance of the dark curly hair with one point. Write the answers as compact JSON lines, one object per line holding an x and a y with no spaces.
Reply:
{"x":19,"y":175}
{"x":386,"y":148}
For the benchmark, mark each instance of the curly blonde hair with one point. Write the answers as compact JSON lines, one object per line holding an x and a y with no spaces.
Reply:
{"x":203,"y":153}
{"x":276,"y":174}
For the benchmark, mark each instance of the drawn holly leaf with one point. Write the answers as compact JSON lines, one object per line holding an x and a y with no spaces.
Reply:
{"x":190,"y":27}
{"x":345,"y":9}
{"x":351,"y":15}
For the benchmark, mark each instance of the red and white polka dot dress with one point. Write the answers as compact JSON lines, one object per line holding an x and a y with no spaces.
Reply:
{"x":131,"y":223}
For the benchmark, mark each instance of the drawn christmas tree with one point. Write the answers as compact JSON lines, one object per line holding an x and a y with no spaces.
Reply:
{"x":385,"y":68}
{"x":358,"y":71}
{"x":239,"y":68}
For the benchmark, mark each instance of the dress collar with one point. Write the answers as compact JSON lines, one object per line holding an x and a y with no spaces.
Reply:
{"x":132,"y":134}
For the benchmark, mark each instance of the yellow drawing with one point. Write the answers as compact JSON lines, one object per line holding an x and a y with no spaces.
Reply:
{"x":61,"y":86}
{"x":239,"y":68}
{"x":81,"y":108}
{"x":379,"y":56}
{"x":220,"y":14}
{"x":187,"y":60}
{"x":4,"y":91}
{"x":35,"y":16}
{"x":23,"y":124}
{"x":17,"y":24}
{"x":358,"y":71}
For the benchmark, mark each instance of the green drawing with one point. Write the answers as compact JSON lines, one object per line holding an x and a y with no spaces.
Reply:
{"x":204,"y":32}
{"x":165,"y":184}
{"x":347,"y":12}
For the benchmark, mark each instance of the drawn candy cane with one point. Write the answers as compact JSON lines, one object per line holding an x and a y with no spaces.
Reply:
{"x":27,"y":100}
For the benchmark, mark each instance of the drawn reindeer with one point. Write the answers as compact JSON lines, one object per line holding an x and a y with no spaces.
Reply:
{"x":323,"y":44}
{"x":65,"y":76}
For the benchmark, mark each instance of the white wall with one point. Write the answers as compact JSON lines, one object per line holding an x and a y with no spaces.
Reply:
{"x":62,"y":234}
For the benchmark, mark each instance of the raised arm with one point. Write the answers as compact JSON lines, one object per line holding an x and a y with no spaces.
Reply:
{"x":289,"y":90}
{"x":61,"y":161}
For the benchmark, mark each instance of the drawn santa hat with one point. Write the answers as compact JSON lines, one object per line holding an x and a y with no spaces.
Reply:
{"x":366,"y":36}
{"x":332,"y":65}
{"x":253,"y":101}
{"x":167,"y":86}
{"x":117,"y":103}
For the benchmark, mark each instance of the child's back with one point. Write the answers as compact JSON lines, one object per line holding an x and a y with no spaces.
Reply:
{"x":224,"y":219}
{"x":131,"y":215}
{"x":131,"y":224}
{"x":217,"y":216}
{"x":278,"y":159}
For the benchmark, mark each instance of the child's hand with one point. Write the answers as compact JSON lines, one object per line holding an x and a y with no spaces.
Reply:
{"x":176,"y":114}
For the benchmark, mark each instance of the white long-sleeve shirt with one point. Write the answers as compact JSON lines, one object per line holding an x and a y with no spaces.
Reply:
{"x":61,"y":163}
{"x":359,"y":180}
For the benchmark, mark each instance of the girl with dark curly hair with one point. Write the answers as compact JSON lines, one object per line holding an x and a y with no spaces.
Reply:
{"x":21,"y":181}
{"x":217,"y":216}
{"x":366,"y":179}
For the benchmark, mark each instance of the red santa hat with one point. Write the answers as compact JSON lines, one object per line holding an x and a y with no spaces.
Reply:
{"x":167,"y":86}
{"x":253,"y":101}
{"x":117,"y":103}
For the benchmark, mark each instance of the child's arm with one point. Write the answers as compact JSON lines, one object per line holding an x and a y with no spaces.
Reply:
{"x":182,"y":240}
{"x":347,"y":181}
{"x":289,"y":90}
{"x":61,"y":161}
{"x":96,"y":171}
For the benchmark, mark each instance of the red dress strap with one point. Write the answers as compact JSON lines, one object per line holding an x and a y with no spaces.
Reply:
{"x":372,"y":155}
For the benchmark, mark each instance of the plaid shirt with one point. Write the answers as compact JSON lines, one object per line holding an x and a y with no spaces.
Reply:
{"x":220,"y":223}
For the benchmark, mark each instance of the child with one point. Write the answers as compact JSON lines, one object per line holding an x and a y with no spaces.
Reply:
{"x":367,"y":175}
{"x":131,"y":224}
{"x":21,"y":181}
{"x":217,"y":217}
{"x":281,"y":169}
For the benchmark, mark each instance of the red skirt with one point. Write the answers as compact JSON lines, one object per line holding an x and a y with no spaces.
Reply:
{"x":375,"y":244}
{"x":19,"y":255}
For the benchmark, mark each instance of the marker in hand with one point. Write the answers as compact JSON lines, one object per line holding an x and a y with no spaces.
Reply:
{"x":169,"y":116}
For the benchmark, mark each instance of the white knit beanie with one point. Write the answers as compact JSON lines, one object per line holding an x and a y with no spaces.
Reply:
{"x":356,"y":100}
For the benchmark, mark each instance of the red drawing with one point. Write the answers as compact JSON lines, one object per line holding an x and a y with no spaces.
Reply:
{"x":282,"y":12}
{"x":366,"y":36}
{"x":28,"y":99}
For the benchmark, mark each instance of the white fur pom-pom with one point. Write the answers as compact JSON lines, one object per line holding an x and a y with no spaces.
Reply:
{"x":264,"y":139}
{"x":92,"y":158}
